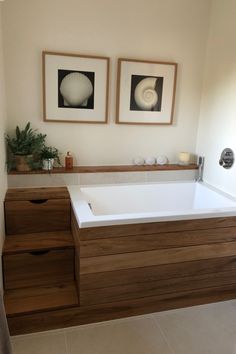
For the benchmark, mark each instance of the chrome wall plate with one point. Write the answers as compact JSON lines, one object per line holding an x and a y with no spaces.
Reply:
{"x":227,"y":158}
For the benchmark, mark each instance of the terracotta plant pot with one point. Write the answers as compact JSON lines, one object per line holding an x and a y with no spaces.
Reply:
{"x":23,"y":162}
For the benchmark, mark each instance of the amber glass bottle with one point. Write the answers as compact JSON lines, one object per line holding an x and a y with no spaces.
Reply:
{"x":68,"y":161}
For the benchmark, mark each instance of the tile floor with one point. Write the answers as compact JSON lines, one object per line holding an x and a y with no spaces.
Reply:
{"x":208,"y":329}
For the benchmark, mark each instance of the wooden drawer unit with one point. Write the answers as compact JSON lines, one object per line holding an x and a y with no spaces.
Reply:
{"x":38,"y":253}
{"x":38,"y":268}
{"x":29,"y":210}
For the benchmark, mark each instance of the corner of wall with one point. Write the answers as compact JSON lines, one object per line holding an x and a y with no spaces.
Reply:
{"x":217,"y":115}
{"x":3,"y":173}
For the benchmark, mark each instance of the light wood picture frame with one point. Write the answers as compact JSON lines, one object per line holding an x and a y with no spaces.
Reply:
{"x":75,"y":88}
{"x":145,"y":92}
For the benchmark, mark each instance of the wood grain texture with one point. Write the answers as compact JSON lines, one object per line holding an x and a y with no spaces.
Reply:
{"x":36,"y":269}
{"x":133,"y":243}
{"x":74,"y":230}
{"x":152,"y":288}
{"x":28,"y":300}
{"x":156,"y":273}
{"x":155,"y":228}
{"x":156,"y":257}
{"x":23,"y":217}
{"x":38,"y":241}
{"x":87,"y":314}
{"x":119,"y":271}
{"x":104,"y":169}
{"x":14,"y":194}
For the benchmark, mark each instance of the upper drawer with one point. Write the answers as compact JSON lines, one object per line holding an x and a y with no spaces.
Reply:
{"x":37,"y":215}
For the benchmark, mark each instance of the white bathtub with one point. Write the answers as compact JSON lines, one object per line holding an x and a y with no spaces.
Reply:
{"x":129,"y":204}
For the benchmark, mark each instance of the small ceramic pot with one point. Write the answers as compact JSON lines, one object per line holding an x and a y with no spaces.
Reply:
{"x":48,"y":164}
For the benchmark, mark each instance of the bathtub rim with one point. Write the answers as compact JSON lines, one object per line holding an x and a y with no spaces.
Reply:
{"x":86,"y":219}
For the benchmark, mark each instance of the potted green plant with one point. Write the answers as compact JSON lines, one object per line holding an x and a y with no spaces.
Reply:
{"x":23,"y":148}
{"x":48,"y":156}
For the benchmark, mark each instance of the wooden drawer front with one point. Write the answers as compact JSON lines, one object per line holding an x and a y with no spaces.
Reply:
{"x":35,"y":269}
{"x":37,"y":216}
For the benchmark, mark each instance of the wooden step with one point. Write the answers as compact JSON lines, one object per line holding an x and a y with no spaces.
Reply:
{"x":31,"y":300}
{"x":14,"y":194}
{"x":37,"y":242}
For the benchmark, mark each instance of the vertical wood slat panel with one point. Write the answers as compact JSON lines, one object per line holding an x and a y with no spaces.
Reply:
{"x":75,"y":233}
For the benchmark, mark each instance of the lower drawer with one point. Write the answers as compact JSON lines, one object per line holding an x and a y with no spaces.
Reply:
{"x":38,"y":268}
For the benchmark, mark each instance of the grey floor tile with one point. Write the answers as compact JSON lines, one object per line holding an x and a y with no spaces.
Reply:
{"x":209,"y":329}
{"x":140,"y":336}
{"x":40,"y":344}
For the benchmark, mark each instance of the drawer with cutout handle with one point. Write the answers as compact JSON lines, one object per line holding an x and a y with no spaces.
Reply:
{"x":37,"y":268}
{"x":38,"y":215}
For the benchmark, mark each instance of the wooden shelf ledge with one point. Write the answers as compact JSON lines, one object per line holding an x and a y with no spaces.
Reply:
{"x":103,"y":169}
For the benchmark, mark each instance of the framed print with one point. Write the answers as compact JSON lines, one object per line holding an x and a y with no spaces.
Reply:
{"x":75,"y":88}
{"x":145,"y":92}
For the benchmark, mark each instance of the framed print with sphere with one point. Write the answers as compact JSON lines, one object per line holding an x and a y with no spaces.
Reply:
{"x":75,"y":88}
{"x":145,"y":92}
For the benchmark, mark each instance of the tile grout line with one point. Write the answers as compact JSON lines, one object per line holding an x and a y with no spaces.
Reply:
{"x":66,"y":342}
{"x":163,"y":334}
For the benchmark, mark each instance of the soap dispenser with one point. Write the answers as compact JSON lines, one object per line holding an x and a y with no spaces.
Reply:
{"x":68,"y":161}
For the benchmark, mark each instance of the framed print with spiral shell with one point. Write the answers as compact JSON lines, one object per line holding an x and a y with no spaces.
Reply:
{"x":145,"y":92}
{"x":75,"y":88}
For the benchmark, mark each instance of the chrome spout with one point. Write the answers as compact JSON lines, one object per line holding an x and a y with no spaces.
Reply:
{"x":201,"y":160}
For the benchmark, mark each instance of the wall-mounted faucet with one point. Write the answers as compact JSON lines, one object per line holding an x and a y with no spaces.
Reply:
{"x":201,"y":160}
{"x":227,"y":158}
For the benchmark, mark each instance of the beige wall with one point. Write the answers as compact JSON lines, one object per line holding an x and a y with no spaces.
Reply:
{"x":3,"y":181}
{"x":217,"y":129}
{"x":170,"y":30}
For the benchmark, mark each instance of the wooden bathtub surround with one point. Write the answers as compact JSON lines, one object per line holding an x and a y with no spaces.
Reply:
{"x":38,"y":254}
{"x":118,"y":271}
{"x":142,"y":261}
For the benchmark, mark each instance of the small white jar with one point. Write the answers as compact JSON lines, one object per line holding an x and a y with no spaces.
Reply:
{"x":184,"y":158}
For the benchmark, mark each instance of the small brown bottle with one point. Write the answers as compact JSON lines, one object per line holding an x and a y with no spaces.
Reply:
{"x":68,"y":161}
